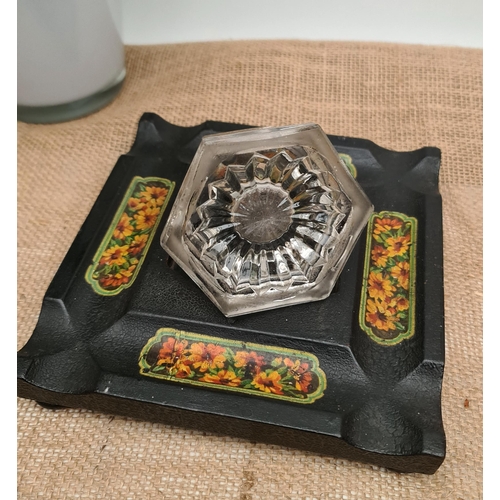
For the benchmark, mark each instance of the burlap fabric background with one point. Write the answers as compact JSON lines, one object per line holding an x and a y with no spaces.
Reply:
{"x":401,"y":97}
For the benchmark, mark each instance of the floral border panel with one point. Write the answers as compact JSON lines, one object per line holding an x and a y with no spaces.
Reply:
{"x":387,"y":312}
{"x":349,"y":164}
{"x":212,"y":362}
{"x":122,"y":251}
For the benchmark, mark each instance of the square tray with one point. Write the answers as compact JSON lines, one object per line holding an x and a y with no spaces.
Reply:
{"x":358,"y":375}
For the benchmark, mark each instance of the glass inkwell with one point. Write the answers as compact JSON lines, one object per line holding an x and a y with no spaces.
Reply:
{"x":266,"y":218}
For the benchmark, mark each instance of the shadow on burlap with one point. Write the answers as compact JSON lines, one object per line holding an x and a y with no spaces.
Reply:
{"x":402,"y":98}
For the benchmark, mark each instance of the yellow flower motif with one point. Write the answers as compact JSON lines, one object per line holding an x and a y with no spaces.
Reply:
{"x":223,"y":377}
{"x":114,"y":256}
{"x":155,"y":194}
{"x":135,"y":204}
{"x":386,"y":224}
{"x":146,"y":219}
{"x":181,"y":370}
{"x":123,"y":228}
{"x":152,"y":204}
{"x":379,"y":286}
{"x":402,"y":303}
{"x":379,"y":316}
{"x":138,"y":244}
{"x":251,"y":360}
{"x":401,"y":271}
{"x":398,"y":246}
{"x":392,"y":305}
{"x":268,"y":383}
{"x":115,"y":280}
{"x":379,"y":256}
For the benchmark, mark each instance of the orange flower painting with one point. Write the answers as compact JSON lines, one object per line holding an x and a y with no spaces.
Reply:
{"x":145,"y":219}
{"x":205,"y":357}
{"x":155,"y":193}
{"x":398,"y":246}
{"x":118,"y":279}
{"x":135,"y":204}
{"x":138,"y":243}
{"x":218,"y":363}
{"x":268,"y":382}
{"x":401,"y":271}
{"x":123,"y":228}
{"x":380,"y":255}
{"x":380,"y":316}
{"x":125,"y":245}
{"x":249,"y":360}
{"x":379,"y":286}
{"x":387,"y":301}
{"x":114,"y":256}
{"x":223,"y":377}
{"x":171,"y":351}
{"x":384,"y":225}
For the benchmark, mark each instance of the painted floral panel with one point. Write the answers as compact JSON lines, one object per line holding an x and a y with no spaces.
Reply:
{"x":387,"y":312}
{"x":217,"y":363}
{"x":349,"y":164}
{"x":118,"y":260}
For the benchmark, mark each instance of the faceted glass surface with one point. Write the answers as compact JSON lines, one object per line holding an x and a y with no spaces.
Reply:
{"x":265,"y":218}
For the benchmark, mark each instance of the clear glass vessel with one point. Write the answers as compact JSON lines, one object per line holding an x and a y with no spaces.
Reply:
{"x":266,"y":218}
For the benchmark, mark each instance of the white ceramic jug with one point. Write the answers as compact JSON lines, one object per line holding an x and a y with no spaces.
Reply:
{"x":71,"y":59}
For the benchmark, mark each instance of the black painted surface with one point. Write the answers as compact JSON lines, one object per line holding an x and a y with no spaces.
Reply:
{"x":382,"y":403}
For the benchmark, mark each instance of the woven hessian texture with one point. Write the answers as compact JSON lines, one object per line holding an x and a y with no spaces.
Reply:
{"x":402,"y":98}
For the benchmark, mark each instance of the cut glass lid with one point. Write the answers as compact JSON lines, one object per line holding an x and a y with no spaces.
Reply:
{"x":266,"y":218}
